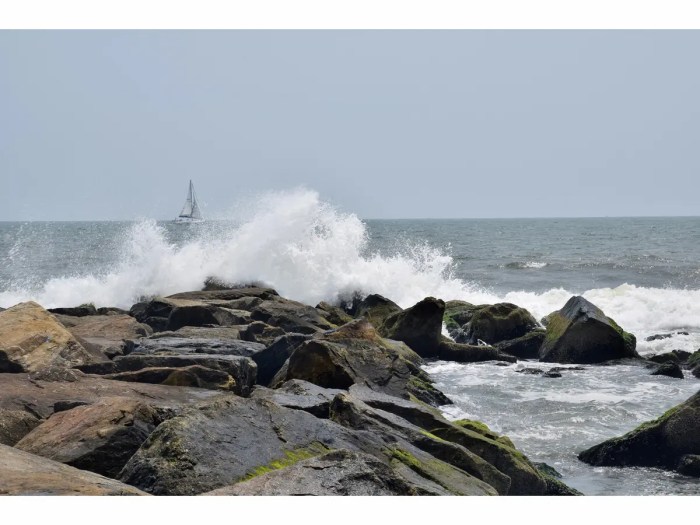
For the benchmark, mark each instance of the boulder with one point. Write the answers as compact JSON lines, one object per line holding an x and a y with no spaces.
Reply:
{"x":457,"y":315}
{"x":32,"y":339}
{"x":228,"y":294}
{"x":333,"y":314}
{"x":660,"y":443}
{"x":498,"y":322}
{"x":105,"y":333}
{"x":463,"y":353}
{"x":419,"y":326}
{"x":170,"y":343}
{"x":271,"y":359}
{"x":155,"y":312}
{"x":206,"y":315}
{"x":336,"y":473}
{"x":669,"y":369}
{"x":242,"y":369}
{"x":689,"y":465}
{"x":24,"y":474}
{"x":100,"y":437}
{"x":525,"y":347}
{"x":299,"y":395}
{"x":192,"y":376}
{"x":375,"y":308}
{"x":355,"y":353}
{"x":15,"y":424}
{"x":290,"y":316}
{"x":41,"y":398}
{"x":78,"y":311}
{"x":260,"y":332}
{"x":581,"y":333}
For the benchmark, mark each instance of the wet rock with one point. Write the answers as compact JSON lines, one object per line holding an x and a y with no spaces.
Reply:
{"x":525,"y":347}
{"x":669,"y":369}
{"x":674,"y":356}
{"x":300,"y":395}
{"x":333,"y":314}
{"x":336,"y":473}
{"x":105,"y":333}
{"x":32,"y":339}
{"x":581,"y":333}
{"x":242,"y":369}
{"x":657,"y":337}
{"x":463,"y":353}
{"x":457,"y":315}
{"x":260,"y":332}
{"x":24,"y":474}
{"x":229,"y":294}
{"x":660,"y":443}
{"x":689,"y":465}
{"x":78,"y":311}
{"x":530,"y":371}
{"x":15,"y":424}
{"x":206,"y":315}
{"x":555,"y":487}
{"x":190,"y":376}
{"x":355,"y":353}
{"x":290,"y":316}
{"x":100,"y":437}
{"x":551,"y":374}
{"x":498,"y":322}
{"x":375,"y":308}
{"x":271,"y":359}
{"x":419,"y":326}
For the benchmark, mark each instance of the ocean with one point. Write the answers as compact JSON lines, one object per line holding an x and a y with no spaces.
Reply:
{"x":643,"y":272}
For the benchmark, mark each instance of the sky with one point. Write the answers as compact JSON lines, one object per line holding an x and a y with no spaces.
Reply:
{"x":101,"y":125}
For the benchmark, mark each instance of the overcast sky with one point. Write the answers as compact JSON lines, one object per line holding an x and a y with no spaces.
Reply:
{"x":392,"y":124}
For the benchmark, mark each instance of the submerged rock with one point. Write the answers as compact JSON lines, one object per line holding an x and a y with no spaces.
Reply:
{"x":669,"y":369}
{"x":660,"y":443}
{"x":581,"y":333}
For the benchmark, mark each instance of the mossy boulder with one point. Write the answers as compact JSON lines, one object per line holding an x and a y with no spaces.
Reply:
{"x":669,"y":369}
{"x":660,"y":443}
{"x":457,"y":315}
{"x":355,"y":353}
{"x":419,"y":326}
{"x":374,"y":307}
{"x":498,"y":322}
{"x":581,"y":333}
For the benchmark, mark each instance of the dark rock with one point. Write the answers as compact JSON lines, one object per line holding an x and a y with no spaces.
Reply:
{"x":525,"y":347}
{"x":659,"y":443}
{"x":191,"y":376}
{"x":271,"y":359}
{"x":24,"y":474}
{"x":354,"y":353}
{"x":689,"y":465}
{"x":206,"y":315}
{"x":242,"y":369}
{"x":158,"y":308}
{"x":530,"y":371}
{"x":658,"y":337}
{"x":333,"y":314}
{"x":419,"y":326}
{"x":555,"y":487}
{"x":674,"y":356}
{"x":669,"y":369}
{"x":78,"y":311}
{"x":581,"y":333}
{"x":111,"y":310}
{"x":457,"y":315}
{"x":260,"y":332}
{"x":291,"y":316}
{"x":551,"y":373}
{"x":696,"y":371}
{"x":229,"y":294}
{"x":463,"y":353}
{"x":499,"y":322}
{"x":336,"y":473}
{"x":100,"y":437}
{"x":15,"y":424}
{"x":300,"y":395}
{"x":693,"y":359}
{"x":375,"y":308}
{"x":60,"y":406}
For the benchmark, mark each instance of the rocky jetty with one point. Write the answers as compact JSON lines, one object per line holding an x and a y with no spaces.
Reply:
{"x":239,"y":391}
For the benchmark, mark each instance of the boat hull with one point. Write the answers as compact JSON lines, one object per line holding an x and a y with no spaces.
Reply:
{"x":187,"y":220}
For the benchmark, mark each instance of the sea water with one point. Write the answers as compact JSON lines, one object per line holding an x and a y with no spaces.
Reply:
{"x":643,"y":272}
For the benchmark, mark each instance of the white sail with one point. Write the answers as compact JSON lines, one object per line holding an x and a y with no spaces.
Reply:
{"x":190,"y":211}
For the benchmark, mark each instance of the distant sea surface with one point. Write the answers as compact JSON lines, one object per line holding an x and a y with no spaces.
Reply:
{"x":643,"y":272}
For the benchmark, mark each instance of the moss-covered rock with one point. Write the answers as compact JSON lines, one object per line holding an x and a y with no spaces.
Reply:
{"x":669,"y":369}
{"x":581,"y":333}
{"x":498,"y":322}
{"x":659,"y":443}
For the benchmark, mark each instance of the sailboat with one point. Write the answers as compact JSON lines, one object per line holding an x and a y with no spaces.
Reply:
{"x":190,"y":211}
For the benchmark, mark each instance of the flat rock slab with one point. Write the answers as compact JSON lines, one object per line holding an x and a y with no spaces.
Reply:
{"x":43,"y":398}
{"x":24,"y":474}
{"x":337,"y":473}
{"x":31,"y":339}
{"x":100,"y":437}
{"x":191,"y":345}
{"x":300,"y":395}
{"x":192,"y":376}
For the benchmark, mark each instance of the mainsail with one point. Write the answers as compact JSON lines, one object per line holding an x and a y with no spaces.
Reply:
{"x":191,"y":209}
